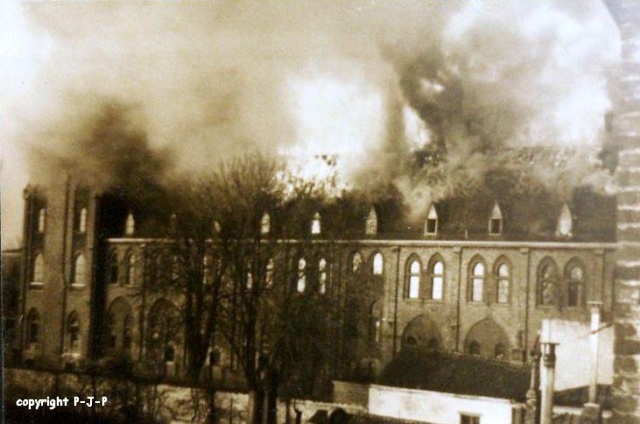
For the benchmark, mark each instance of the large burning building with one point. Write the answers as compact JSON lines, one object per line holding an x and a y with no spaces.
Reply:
{"x":474,"y":274}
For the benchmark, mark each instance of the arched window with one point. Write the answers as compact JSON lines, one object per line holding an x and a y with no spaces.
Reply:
{"x":503,"y":282}
{"x":82,"y":221}
{"x":547,"y":283}
{"x":437,"y":279}
{"x":575,"y":284}
{"x":476,"y":292}
{"x":316,"y":224}
{"x":73,"y":332}
{"x":474,"y":348}
{"x":130,"y":225}
{"x":322,"y":276}
{"x":302,"y":275}
{"x":42,"y":214}
{"x":79,"y":272}
{"x":413,"y":283}
{"x":33,"y":328}
{"x":269,"y":274}
{"x":356,"y":262}
{"x":265,"y":224}
{"x":113,"y":268}
{"x":131,"y":269}
{"x":378,"y":264}
{"x":38,"y":269}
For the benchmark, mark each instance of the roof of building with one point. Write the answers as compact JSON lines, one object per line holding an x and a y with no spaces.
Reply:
{"x":456,"y":373}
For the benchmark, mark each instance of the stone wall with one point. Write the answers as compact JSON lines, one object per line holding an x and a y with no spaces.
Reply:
{"x":626,"y":391}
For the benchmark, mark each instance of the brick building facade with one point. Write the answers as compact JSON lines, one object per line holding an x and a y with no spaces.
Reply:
{"x":478,"y":283}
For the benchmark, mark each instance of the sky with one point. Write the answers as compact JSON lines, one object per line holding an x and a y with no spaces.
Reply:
{"x":204,"y":81}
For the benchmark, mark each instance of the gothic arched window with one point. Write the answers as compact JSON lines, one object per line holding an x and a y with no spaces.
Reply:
{"x":437,"y":279}
{"x":503,"y":282}
{"x":575,"y":284}
{"x":547,"y":289}
{"x":413,"y":279}
{"x":476,"y":286}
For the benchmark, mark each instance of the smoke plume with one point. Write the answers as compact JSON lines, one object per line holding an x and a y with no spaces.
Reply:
{"x":103,"y":87}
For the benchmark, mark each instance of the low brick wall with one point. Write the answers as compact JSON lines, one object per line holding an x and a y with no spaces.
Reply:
{"x":164,"y":402}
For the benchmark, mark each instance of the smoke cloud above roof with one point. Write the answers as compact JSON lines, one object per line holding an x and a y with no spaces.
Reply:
{"x":190,"y":84}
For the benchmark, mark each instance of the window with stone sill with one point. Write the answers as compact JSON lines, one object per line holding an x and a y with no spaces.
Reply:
{"x":79,"y":272}
{"x":476,"y":285}
{"x":575,"y":284}
{"x":503,"y":282}
{"x":414,"y":279}
{"x":378,"y":264}
{"x":437,"y":279}
{"x":38,"y":271}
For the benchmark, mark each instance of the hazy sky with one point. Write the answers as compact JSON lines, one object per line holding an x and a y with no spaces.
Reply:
{"x":211,"y":79}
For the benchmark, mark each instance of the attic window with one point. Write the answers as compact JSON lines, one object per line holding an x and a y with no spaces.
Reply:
{"x":315,"y":224}
{"x":431,"y":225}
{"x":495,"y":221}
{"x":565,"y":222}
{"x":371,"y":226}
{"x":265,"y":224}
{"x":130,"y":225}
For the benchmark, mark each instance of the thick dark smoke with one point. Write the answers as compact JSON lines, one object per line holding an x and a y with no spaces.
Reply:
{"x":389,"y":86}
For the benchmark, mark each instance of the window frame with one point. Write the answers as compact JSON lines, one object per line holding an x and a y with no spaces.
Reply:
{"x":570,"y":281}
{"x":542,"y":282}
{"x":79,"y":275}
{"x":130,"y":268}
{"x":411,"y":275}
{"x":377,"y":264}
{"x":474,"y":278}
{"x":38,"y":268}
{"x":498,"y":279}
{"x":435,"y":260}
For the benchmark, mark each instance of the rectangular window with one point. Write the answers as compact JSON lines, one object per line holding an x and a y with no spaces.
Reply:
{"x":436,"y":290}
{"x":414,"y":287}
{"x":431,"y":226}
{"x":469,"y":419}
{"x":496,"y":225}
{"x":476,"y":289}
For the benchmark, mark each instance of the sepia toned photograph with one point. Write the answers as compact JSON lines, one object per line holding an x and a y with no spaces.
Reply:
{"x":327,"y":212}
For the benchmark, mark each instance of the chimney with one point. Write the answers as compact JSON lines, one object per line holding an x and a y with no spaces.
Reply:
{"x":592,"y":411}
{"x":548,"y":378}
